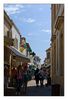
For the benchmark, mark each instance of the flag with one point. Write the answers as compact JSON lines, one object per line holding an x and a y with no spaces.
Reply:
{"x":28,"y":47}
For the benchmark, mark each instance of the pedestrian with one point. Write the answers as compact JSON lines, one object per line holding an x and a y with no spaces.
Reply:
{"x":6,"y":76}
{"x":48,"y":80}
{"x":18,"y":80}
{"x":13,"y":73}
{"x":41,"y":76}
{"x":25,"y":80}
{"x":24,"y":77}
{"x":37,"y":77}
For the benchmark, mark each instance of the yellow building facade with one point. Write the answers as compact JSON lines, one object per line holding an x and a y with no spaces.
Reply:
{"x":57,"y":44}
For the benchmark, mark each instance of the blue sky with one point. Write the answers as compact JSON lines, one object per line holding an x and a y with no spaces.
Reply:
{"x":34,"y":23}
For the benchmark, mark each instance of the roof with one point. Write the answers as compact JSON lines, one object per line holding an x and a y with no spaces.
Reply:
{"x":6,"y":17}
{"x":17,"y":53}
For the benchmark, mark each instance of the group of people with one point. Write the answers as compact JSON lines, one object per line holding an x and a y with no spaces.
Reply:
{"x":18,"y":79}
{"x":39,"y":76}
{"x":20,"y":76}
{"x":21,"y":80}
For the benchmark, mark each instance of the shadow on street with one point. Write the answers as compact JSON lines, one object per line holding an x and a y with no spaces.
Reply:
{"x":38,"y":91}
{"x":31,"y":91}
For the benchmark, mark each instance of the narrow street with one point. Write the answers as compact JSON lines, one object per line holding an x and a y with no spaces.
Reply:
{"x":32,"y":90}
{"x":33,"y":49}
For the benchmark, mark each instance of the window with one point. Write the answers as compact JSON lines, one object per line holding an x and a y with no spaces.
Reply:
{"x":16,"y":43}
{"x":48,"y":55}
{"x":9,"y":34}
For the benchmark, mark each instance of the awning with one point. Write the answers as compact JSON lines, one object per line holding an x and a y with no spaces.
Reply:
{"x":18,"y":54}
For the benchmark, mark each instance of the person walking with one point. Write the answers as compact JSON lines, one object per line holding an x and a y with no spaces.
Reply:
{"x":37,"y":76}
{"x":25,"y":80}
{"x":13,"y":74}
{"x":41,"y":76}
{"x":18,"y":80}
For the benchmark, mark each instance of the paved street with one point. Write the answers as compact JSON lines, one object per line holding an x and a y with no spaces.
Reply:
{"x":32,"y":90}
{"x":33,"y":49}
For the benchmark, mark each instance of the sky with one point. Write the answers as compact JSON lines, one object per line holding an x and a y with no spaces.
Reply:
{"x":34,"y":23}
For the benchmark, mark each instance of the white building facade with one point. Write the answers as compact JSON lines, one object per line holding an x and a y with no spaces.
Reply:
{"x":15,"y":36}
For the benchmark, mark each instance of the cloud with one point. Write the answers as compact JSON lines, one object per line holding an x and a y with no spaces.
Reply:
{"x":27,"y":20}
{"x":29,"y":34}
{"x":30,"y":20}
{"x":29,"y":5}
{"x":13,"y":9}
{"x":46,"y":30}
{"x":19,"y":6}
{"x":40,"y":8}
{"x":32,"y":34}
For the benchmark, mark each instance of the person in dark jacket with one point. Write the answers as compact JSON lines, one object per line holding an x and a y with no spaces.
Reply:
{"x":37,"y":76}
{"x":41,"y":76}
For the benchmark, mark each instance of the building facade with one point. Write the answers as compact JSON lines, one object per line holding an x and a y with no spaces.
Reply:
{"x":7,"y":37}
{"x":15,"y":36}
{"x":57,"y":43}
{"x":7,"y":30}
{"x":12,"y":56}
{"x":11,"y":33}
{"x":47,"y":62}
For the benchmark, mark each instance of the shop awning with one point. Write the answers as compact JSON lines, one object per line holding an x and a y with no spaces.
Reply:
{"x":18,"y":54}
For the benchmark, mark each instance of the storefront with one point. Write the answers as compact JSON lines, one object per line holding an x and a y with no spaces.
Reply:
{"x":14,"y":58}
